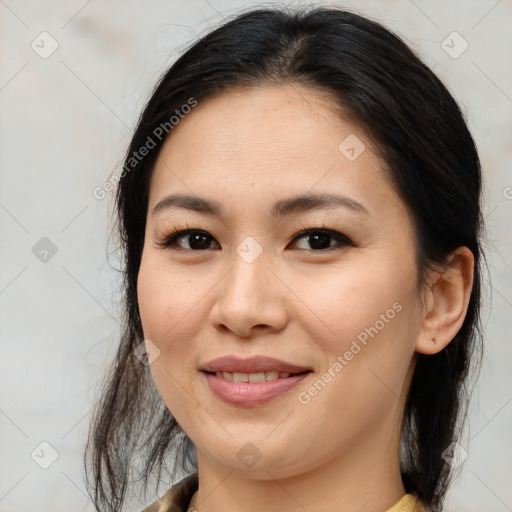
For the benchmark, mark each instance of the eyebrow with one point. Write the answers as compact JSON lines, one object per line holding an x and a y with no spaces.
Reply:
{"x":297,"y":204}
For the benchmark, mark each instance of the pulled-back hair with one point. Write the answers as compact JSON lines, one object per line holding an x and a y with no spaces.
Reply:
{"x":419,"y":132}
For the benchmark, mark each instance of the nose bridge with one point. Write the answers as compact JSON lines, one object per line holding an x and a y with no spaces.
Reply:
{"x":249,"y":294}
{"x":248,"y":278}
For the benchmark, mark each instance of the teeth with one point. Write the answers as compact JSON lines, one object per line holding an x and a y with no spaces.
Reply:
{"x":252,"y":377}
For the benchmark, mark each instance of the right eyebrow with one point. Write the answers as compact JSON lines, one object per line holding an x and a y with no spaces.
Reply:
{"x":189,"y":203}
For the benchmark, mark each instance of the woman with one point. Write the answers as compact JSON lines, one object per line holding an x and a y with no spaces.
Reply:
{"x":299,"y":211}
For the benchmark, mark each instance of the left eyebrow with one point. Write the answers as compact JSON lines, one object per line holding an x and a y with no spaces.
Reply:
{"x":297,"y":204}
{"x":308,"y":202}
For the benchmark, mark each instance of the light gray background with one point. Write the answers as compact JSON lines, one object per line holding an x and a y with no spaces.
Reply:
{"x":66,"y":121}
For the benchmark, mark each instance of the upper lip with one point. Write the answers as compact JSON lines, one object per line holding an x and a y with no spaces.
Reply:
{"x":254,"y":364}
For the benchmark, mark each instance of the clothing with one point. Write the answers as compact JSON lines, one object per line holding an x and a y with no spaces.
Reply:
{"x":177,"y":499}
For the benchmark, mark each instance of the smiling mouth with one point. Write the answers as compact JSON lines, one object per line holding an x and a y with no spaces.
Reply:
{"x":254,"y":377}
{"x":252,"y":389}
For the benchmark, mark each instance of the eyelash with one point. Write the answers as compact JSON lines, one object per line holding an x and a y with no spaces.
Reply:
{"x":178,"y":232}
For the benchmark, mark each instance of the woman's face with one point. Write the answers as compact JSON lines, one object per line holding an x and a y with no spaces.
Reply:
{"x":342,"y":304}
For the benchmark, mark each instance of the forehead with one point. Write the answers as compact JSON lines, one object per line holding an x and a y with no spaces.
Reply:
{"x":279,"y":122}
{"x":265,"y":142}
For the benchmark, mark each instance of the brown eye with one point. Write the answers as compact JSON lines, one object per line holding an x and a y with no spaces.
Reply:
{"x":321,"y":239}
{"x":196,"y":240}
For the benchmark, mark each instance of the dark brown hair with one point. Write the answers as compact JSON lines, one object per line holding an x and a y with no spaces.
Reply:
{"x":420,"y":133}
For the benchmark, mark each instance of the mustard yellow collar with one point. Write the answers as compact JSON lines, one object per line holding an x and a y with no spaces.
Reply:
{"x":409,"y":503}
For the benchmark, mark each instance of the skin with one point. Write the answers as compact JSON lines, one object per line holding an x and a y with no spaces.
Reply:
{"x":246,"y":149}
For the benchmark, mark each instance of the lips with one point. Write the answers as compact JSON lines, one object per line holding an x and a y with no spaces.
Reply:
{"x":253,"y":381}
{"x":254,"y":364}
{"x":251,"y":394}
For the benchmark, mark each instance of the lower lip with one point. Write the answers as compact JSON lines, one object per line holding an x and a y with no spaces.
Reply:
{"x":251,"y":394}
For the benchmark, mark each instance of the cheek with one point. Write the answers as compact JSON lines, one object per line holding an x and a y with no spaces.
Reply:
{"x":361,"y":380}
{"x":340,"y":306}
{"x":169,"y":302}
{"x":364,"y":323}
{"x":168,"y":310}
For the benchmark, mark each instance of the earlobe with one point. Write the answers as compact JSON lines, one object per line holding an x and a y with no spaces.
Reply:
{"x":446,"y":300}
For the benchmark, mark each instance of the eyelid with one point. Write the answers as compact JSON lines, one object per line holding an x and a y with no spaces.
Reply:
{"x":322,"y":229}
{"x":167,"y":237}
{"x":178,"y":232}
{"x":341,"y":242}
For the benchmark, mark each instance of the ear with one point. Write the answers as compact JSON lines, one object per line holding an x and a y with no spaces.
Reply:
{"x":446,"y":298}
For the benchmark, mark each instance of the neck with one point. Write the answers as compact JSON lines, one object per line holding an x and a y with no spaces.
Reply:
{"x":367,"y":478}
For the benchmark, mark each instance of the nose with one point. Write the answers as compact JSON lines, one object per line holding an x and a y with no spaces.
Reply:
{"x":250,"y":299}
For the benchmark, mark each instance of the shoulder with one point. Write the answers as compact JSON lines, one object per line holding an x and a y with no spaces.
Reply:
{"x":177,"y":498}
{"x":409,"y":503}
